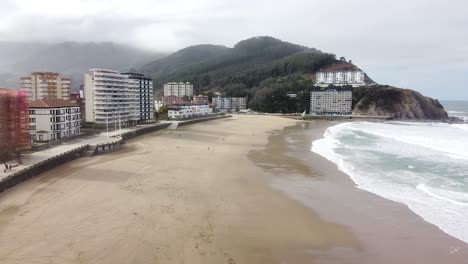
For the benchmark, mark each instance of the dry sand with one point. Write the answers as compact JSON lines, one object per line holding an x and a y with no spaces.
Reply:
{"x":184,"y":196}
{"x":203,"y":194}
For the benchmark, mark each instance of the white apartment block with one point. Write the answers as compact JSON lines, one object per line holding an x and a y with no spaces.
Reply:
{"x":178,"y":89}
{"x":46,"y":85}
{"x":340,"y":78}
{"x":230,"y":104}
{"x":53,"y":119}
{"x":140,"y":91}
{"x":189,"y":110}
{"x":107,"y":97}
{"x":331,"y":102}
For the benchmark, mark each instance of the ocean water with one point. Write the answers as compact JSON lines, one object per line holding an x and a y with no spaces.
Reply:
{"x":456,"y":108}
{"x":422,"y":165}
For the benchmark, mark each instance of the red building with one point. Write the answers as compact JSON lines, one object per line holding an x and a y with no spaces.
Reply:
{"x":171,"y":99}
{"x":14,"y":122}
{"x":201,"y":99}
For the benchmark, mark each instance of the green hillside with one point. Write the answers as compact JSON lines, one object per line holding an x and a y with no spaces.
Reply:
{"x":239,"y":70}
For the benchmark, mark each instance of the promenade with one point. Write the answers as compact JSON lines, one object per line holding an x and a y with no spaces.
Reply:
{"x":94,"y":140}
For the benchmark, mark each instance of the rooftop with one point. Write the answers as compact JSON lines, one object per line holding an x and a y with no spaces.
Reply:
{"x":51,"y":103}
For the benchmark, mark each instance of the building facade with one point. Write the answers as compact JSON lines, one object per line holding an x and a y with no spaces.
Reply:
{"x":79,"y":100}
{"x":46,"y":85}
{"x":230,"y":104}
{"x":340,"y":78}
{"x":140,"y":92}
{"x":201,"y":99}
{"x":14,"y":122}
{"x":171,"y":99}
{"x":179,"y":89}
{"x":119,"y":99}
{"x":331,"y":102}
{"x":189,"y":110}
{"x":107,"y":97}
{"x":54,"y":119}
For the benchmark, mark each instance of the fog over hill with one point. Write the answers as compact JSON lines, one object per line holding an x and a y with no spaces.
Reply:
{"x":70,"y":59}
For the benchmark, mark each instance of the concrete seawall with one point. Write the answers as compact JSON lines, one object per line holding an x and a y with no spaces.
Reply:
{"x":117,"y":140}
{"x":38,"y":168}
{"x":194,"y":121}
{"x":85,"y":151}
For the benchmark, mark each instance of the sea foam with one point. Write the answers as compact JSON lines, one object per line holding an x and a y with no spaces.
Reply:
{"x":422,"y":165}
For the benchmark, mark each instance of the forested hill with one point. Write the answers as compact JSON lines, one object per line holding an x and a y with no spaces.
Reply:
{"x":237,"y":70}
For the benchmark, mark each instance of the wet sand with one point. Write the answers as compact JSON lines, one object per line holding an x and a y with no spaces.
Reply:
{"x":214,"y":192}
{"x":387,"y":232}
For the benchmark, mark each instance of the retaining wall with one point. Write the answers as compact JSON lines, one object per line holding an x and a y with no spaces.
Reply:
{"x":107,"y":147}
{"x":194,"y":121}
{"x":38,"y":168}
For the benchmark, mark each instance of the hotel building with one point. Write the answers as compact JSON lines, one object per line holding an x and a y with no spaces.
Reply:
{"x":46,"y":85}
{"x":230,"y":104}
{"x":341,"y":74}
{"x":178,"y":89}
{"x":331,"y":102}
{"x":54,"y":119}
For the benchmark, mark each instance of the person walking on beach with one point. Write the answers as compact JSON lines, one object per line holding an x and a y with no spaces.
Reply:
{"x":9,"y":167}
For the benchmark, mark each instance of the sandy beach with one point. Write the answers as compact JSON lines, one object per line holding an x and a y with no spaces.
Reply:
{"x":237,"y":190}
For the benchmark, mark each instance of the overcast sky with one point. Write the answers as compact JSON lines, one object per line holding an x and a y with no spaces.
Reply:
{"x":418,"y":44}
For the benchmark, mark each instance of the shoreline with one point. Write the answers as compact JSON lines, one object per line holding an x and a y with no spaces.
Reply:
{"x":180,"y":196}
{"x":209,"y":193}
{"x":379,"y":224}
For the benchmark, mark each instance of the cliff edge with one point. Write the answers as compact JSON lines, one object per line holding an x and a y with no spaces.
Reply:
{"x":395,"y":102}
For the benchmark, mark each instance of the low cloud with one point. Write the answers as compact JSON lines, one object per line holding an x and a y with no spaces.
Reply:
{"x":398,"y":42}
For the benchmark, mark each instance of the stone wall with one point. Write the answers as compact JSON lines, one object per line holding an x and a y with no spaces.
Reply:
{"x":38,"y":168}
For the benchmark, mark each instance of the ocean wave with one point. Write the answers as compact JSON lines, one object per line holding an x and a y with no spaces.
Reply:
{"x":457,"y":198}
{"x":438,"y":136}
{"x":411,"y":174}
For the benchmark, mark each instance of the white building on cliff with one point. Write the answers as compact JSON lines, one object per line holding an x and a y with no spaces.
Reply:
{"x":341,"y":74}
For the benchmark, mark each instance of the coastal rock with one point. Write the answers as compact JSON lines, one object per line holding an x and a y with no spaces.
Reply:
{"x":397,"y":103}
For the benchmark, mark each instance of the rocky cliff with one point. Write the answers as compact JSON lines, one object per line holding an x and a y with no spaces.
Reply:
{"x":397,"y":103}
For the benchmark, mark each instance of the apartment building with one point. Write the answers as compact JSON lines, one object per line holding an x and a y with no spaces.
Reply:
{"x":201,"y":99}
{"x":46,"y":85}
{"x":171,"y":99}
{"x":107,"y":97}
{"x":14,"y":129}
{"x":140,"y":92}
{"x":341,"y":74}
{"x":188,"y":110}
{"x":54,"y":119}
{"x":331,"y":102}
{"x":179,"y":89}
{"x":79,"y":100}
{"x":121,"y":99}
{"x":230,"y":104}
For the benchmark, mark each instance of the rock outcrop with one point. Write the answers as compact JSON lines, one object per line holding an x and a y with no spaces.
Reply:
{"x":397,"y":103}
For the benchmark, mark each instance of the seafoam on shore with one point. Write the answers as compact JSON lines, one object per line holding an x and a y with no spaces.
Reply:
{"x":422,"y":165}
